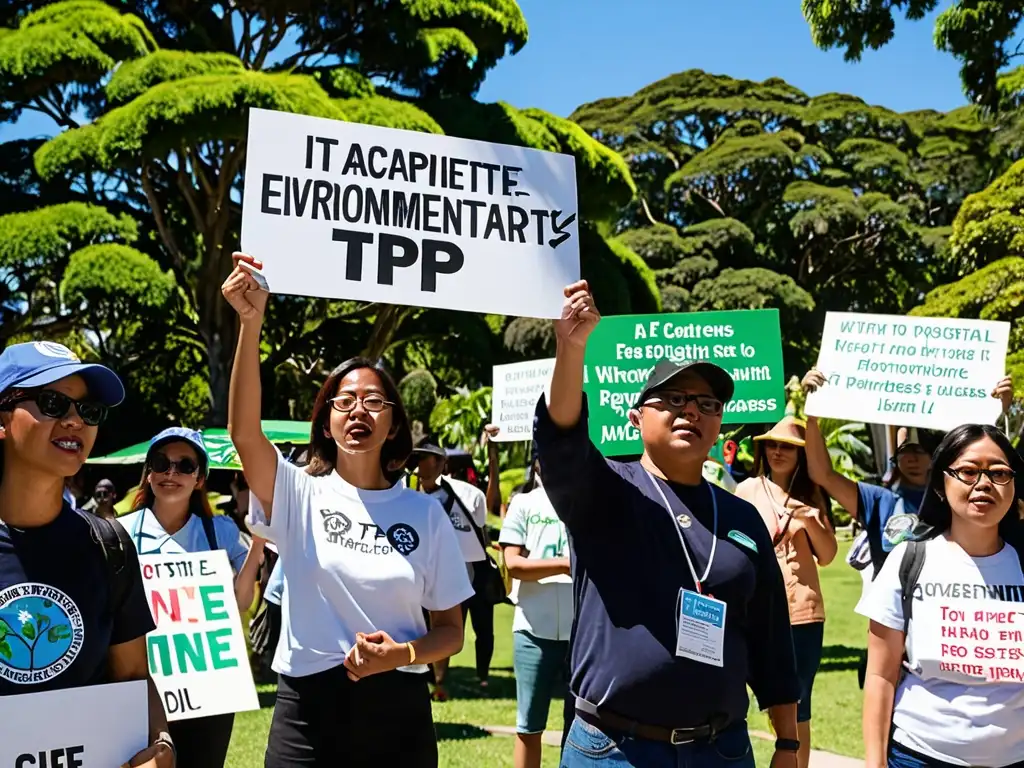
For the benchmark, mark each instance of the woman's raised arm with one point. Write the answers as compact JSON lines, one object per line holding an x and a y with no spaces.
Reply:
{"x":255,"y":452}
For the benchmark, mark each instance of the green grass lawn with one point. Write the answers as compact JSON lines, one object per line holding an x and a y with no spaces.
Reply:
{"x":837,"y":698}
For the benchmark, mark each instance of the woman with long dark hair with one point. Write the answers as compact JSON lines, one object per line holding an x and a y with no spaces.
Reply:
{"x":943,"y":682}
{"x":362,"y":557}
{"x":171,"y":514}
{"x":796,"y":512}
{"x":73,"y":611}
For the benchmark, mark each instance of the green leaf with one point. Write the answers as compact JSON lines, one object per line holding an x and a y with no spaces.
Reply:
{"x":5,"y":650}
{"x":47,"y":603}
{"x":28,"y":631}
{"x":59,"y":632}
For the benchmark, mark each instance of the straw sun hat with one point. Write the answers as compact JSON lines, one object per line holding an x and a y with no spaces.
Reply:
{"x":790,"y":430}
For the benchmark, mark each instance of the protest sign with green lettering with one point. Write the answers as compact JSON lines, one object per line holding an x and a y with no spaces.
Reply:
{"x":623,"y":350}
{"x":197,"y":653}
{"x":929,"y":372}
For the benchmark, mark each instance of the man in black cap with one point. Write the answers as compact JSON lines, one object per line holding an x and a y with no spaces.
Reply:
{"x":679,"y":599}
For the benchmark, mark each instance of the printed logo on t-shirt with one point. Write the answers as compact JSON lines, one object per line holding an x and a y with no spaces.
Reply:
{"x":41,"y":633}
{"x":403,"y":538}
{"x":458,"y":519}
{"x":336,"y":524}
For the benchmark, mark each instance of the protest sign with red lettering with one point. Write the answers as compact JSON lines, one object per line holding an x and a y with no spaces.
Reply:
{"x":980,"y":639}
{"x":197,"y":654}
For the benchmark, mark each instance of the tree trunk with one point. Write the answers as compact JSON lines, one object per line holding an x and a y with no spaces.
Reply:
{"x":218,"y":326}
{"x":385,"y":326}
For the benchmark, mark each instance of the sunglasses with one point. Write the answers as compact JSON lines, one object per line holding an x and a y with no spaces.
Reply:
{"x":162,"y":465}
{"x":56,"y":405}
{"x":771,"y":445}
{"x":676,"y":401}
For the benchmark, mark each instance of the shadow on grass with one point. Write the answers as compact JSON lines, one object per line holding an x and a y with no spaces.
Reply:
{"x":840,"y":658}
{"x":267,"y":698}
{"x":459,"y":732}
{"x":462,"y":683}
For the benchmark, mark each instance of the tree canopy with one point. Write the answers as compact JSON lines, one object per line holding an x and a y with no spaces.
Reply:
{"x":127,"y":217}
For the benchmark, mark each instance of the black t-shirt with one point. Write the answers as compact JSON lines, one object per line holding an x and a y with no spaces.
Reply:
{"x":628,"y":568}
{"x":56,"y":618}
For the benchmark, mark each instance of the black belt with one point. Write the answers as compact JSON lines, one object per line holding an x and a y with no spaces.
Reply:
{"x":609,"y":720}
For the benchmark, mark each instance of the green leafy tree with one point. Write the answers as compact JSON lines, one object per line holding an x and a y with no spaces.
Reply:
{"x":151,"y":100}
{"x":981,"y":34}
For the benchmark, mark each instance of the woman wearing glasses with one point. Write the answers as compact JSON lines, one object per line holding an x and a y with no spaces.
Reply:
{"x":362,"y":557}
{"x":73,"y":612}
{"x":172,"y":515}
{"x":795,"y":511}
{"x":947,"y":605}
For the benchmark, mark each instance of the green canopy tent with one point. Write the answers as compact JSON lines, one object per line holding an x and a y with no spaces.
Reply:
{"x":222,"y":452}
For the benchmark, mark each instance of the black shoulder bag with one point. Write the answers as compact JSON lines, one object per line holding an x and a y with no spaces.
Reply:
{"x":487,"y":581}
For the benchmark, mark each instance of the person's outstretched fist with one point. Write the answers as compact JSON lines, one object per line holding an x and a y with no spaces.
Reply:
{"x":579,"y":316}
{"x":243,"y":291}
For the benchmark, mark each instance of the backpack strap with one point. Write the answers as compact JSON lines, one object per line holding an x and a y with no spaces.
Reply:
{"x":873,"y":527}
{"x":113,"y":541}
{"x":453,"y":498}
{"x":910,"y":572}
{"x":211,"y":534}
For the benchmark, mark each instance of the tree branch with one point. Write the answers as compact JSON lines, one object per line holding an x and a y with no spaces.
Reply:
{"x":165,"y":232}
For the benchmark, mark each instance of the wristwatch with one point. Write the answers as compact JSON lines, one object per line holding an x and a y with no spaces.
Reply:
{"x":787,"y":745}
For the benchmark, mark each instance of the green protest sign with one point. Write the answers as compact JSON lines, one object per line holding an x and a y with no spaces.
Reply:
{"x":623,"y":349}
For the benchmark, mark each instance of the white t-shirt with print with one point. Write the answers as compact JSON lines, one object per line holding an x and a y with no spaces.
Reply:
{"x":357,"y":561}
{"x":543,"y":608}
{"x":953,"y":717}
{"x":150,"y":538}
{"x":476,"y":502}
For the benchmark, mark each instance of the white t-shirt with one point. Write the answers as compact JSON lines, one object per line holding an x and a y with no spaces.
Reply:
{"x":476,"y":502}
{"x":150,"y":538}
{"x":543,"y":608}
{"x":357,"y":561}
{"x":958,"y":718}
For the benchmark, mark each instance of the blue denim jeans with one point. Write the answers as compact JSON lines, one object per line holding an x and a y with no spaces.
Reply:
{"x":589,"y":746}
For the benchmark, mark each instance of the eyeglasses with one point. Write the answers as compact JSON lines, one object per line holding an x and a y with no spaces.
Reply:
{"x":162,"y":465}
{"x":56,"y":405}
{"x":676,"y":401}
{"x":346,"y":403}
{"x":971,"y":475}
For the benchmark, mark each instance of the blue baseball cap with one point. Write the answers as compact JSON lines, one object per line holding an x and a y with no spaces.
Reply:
{"x":38,"y":363}
{"x":182,"y":435}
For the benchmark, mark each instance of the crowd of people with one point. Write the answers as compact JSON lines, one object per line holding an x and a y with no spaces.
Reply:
{"x":654,"y":598}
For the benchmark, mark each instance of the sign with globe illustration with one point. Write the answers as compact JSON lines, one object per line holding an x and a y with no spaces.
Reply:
{"x":41,"y":633}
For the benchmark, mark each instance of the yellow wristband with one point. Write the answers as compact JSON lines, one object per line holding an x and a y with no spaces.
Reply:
{"x":412,"y":653}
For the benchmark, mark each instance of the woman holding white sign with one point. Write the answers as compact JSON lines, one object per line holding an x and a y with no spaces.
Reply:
{"x":73,"y":611}
{"x":362,"y":557}
{"x":945,"y":681}
{"x":171,"y":515}
{"x":796,"y":513}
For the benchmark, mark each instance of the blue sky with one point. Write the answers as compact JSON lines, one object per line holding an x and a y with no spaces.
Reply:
{"x":576,"y":55}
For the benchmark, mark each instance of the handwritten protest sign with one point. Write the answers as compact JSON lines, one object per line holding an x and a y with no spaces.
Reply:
{"x":982,"y":639}
{"x":197,"y":653}
{"x":98,"y":726}
{"x":349,"y":211}
{"x":517,"y":388}
{"x":929,"y":372}
{"x":624,"y":349}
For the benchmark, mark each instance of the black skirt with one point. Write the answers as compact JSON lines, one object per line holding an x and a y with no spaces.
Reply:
{"x":327,"y":721}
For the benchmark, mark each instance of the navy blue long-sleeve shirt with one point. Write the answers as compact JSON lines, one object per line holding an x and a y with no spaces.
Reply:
{"x":628,"y":567}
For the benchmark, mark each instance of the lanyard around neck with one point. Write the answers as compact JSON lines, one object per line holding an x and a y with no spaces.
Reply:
{"x":679,"y":531}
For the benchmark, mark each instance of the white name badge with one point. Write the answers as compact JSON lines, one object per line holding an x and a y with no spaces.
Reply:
{"x":701,"y":628}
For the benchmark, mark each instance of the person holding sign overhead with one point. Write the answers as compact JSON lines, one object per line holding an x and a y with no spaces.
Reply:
{"x":680,"y":603}
{"x":73,"y":611}
{"x":874,"y":506}
{"x":945,"y":679}
{"x":171,"y":514}
{"x":796,"y":513}
{"x":362,"y":557}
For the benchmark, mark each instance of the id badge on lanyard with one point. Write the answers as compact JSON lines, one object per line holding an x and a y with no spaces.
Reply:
{"x":700,"y":618}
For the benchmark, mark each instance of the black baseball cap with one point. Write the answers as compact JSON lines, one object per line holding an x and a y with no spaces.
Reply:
{"x":718,"y":379}
{"x":428,"y":447}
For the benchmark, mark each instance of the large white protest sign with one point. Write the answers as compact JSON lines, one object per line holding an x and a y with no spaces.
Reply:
{"x":98,"y":726}
{"x":349,"y":211}
{"x":928,"y":372}
{"x":517,"y":388}
{"x":197,"y":653}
